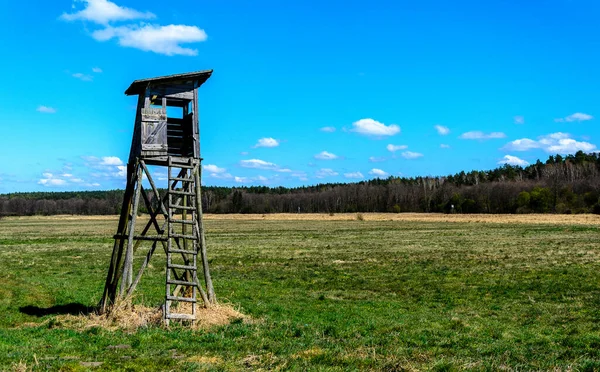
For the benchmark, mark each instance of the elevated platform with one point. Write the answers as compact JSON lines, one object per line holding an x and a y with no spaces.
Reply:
{"x":163,"y":161}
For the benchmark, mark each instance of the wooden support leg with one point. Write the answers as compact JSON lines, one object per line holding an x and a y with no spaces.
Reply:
{"x":109,"y":295}
{"x":200,"y":226}
{"x":127,"y":279}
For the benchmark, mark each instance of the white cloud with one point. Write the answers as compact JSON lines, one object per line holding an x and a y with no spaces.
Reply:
{"x":300,"y":175}
{"x":104,"y":11}
{"x":479,"y":135}
{"x":554,"y":143}
{"x":522,"y":144}
{"x":354,"y":175}
{"x":519,"y":119}
{"x":242,"y":179}
{"x":259,"y":178}
{"x":121,"y":171}
{"x":570,"y":146}
{"x":324,"y":155}
{"x":578,"y":116}
{"x":394,"y":148}
{"x":442,"y":130}
{"x":328,"y":129}
{"x":372,"y":127}
{"x":83,"y":77}
{"x":49,"y":179}
{"x":258,"y":164}
{"x":513,"y":160}
{"x":46,"y":109}
{"x":444,"y":146}
{"x":267,"y":142}
{"x":411,"y":155}
{"x":97,"y":70}
{"x":374,"y":159}
{"x":52,"y":182}
{"x":154,"y":38}
{"x":378,"y":172}
{"x":108,"y":167}
{"x":211,"y":168}
{"x":261,"y":164}
{"x":325,"y":172}
{"x":111,"y":160}
{"x":216,"y":172}
{"x":161,"y":176}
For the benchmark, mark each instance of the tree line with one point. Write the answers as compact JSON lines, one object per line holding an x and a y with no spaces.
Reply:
{"x":562,"y":184}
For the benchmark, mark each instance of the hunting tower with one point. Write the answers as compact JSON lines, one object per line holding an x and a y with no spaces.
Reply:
{"x":166,"y":133}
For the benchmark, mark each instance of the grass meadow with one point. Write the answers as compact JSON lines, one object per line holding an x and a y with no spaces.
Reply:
{"x":378,"y":292}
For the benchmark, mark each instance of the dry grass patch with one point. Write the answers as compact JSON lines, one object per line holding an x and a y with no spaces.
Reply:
{"x":19,"y":367}
{"x":215,"y":315}
{"x":202,"y":359}
{"x":309,"y":353}
{"x":122,"y":316}
{"x":130,"y":317}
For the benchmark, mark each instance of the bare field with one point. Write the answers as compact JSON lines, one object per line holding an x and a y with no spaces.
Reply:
{"x":552,"y":219}
{"x":560,"y":219}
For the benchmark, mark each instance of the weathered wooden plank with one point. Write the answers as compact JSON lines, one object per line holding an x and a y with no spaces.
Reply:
{"x":154,"y":114}
{"x":181,"y":299}
{"x":159,"y":238}
{"x":182,"y":316}
{"x":195,"y":143}
{"x":109,"y":295}
{"x":153,"y":185}
{"x":178,"y":92}
{"x":202,"y":241}
{"x":127,"y":278}
{"x":153,"y":136}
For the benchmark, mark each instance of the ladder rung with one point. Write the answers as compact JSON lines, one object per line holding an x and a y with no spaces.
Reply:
{"x":182,"y":179}
{"x":182,"y":207}
{"x":183,"y":166}
{"x":183,"y":267}
{"x":144,"y":237}
{"x":191,"y":237}
{"x":181,"y":282}
{"x":182,"y":251}
{"x":181,"y":299}
{"x":186,"y":222}
{"x":176,"y":192}
{"x":181,"y":316}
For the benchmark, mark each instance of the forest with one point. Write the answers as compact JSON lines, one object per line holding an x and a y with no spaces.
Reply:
{"x":561,"y":184}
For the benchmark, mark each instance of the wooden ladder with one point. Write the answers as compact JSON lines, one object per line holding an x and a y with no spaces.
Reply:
{"x":182,"y":243}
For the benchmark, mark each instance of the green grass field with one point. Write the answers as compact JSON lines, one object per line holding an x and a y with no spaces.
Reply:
{"x":323,"y":294}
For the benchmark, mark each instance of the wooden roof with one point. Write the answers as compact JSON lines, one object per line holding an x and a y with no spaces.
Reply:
{"x":139,"y":86}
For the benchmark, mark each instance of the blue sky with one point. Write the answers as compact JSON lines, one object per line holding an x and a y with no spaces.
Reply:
{"x":302,"y":92}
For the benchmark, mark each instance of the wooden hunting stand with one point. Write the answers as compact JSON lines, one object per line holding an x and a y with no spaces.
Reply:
{"x":172,"y":142}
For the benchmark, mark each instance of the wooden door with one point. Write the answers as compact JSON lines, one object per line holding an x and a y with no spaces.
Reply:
{"x":154,"y":129}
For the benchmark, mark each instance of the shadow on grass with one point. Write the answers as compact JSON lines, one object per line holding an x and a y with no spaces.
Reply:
{"x":72,"y":309}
